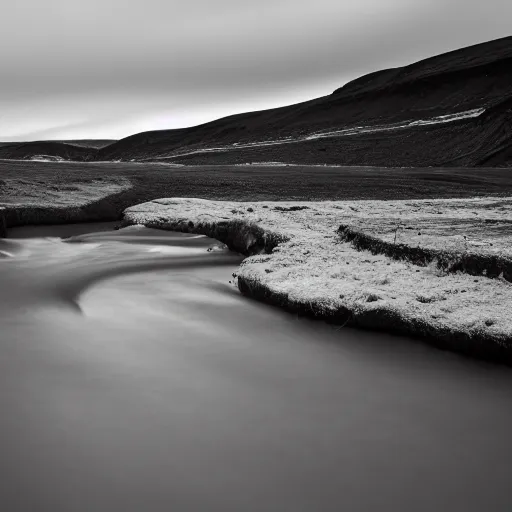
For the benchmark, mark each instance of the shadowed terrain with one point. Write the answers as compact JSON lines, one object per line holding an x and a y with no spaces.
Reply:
{"x":45,"y":150}
{"x":52,"y":150}
{"x":454,"y":110}
{"x":89,"y":143}
{"x":259,"y":182}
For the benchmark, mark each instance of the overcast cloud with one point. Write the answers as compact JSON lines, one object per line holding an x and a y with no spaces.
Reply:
{"x":109,"y":68}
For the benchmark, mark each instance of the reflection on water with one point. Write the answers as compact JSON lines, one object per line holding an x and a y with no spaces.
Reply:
{"x":134,"y":377}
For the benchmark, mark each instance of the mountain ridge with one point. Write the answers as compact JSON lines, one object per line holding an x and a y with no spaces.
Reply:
{"x":450,"y":109}
{"x":476,"y":77}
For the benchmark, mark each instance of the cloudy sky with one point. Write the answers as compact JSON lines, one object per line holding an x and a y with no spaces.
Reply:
{"x":110,"y":68}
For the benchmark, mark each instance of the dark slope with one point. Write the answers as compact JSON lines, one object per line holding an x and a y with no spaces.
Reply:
{"x":482,"y":141}
{"x":477,"y":77}
{"x":88,"y":143}
{"x":51,"y":150}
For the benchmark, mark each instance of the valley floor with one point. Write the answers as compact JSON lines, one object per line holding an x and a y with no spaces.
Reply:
{"x":41,"y":182}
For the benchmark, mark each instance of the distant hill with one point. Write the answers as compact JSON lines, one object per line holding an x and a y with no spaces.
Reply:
{"x":52,"y":150}
{"x":453,"y":109}
{"x":45,"y":150}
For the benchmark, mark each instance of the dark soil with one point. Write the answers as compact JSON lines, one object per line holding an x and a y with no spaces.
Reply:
{"x":271,"y":183}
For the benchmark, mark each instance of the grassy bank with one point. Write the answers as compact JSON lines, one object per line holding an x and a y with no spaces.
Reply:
{"x":26,"y":202}
{"x":62,"y":192}
{"x":397,"y":265}
{"x":470,"y":235}
{"x":476,"y":264}
{"x":297,"y":261}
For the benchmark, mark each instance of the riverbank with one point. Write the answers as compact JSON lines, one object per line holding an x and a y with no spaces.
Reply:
{"x":69,"y":192}
{"x":300,"y":261}
{"x":30,"y":202}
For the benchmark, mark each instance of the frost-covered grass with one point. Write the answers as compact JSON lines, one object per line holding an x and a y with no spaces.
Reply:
{"x":31,"y":201}
{"x":56,"y":193}
{"x":481,"y":225}
{"x":312,"y":266}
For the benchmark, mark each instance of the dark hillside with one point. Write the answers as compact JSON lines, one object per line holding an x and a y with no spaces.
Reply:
{"x":49,"y":150}
{"x":461,"y":84}
{"x":451,"y":110}
{"x":87,"y":143}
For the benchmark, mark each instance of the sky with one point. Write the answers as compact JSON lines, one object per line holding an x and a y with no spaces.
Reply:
{"x":74,"y":69}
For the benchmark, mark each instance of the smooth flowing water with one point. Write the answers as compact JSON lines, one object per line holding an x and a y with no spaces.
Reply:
{"x":134,"y":377}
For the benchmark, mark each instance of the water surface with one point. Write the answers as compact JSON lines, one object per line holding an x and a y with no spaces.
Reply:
{"x":134,"y":377}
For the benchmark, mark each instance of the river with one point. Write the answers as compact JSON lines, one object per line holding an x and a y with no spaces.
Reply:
{"x":135,"y":377}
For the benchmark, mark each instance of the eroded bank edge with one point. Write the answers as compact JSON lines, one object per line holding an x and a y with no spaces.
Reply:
{"x":248,"y":238}
{"x":105,"y":209}
{"x":449,"y":261}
